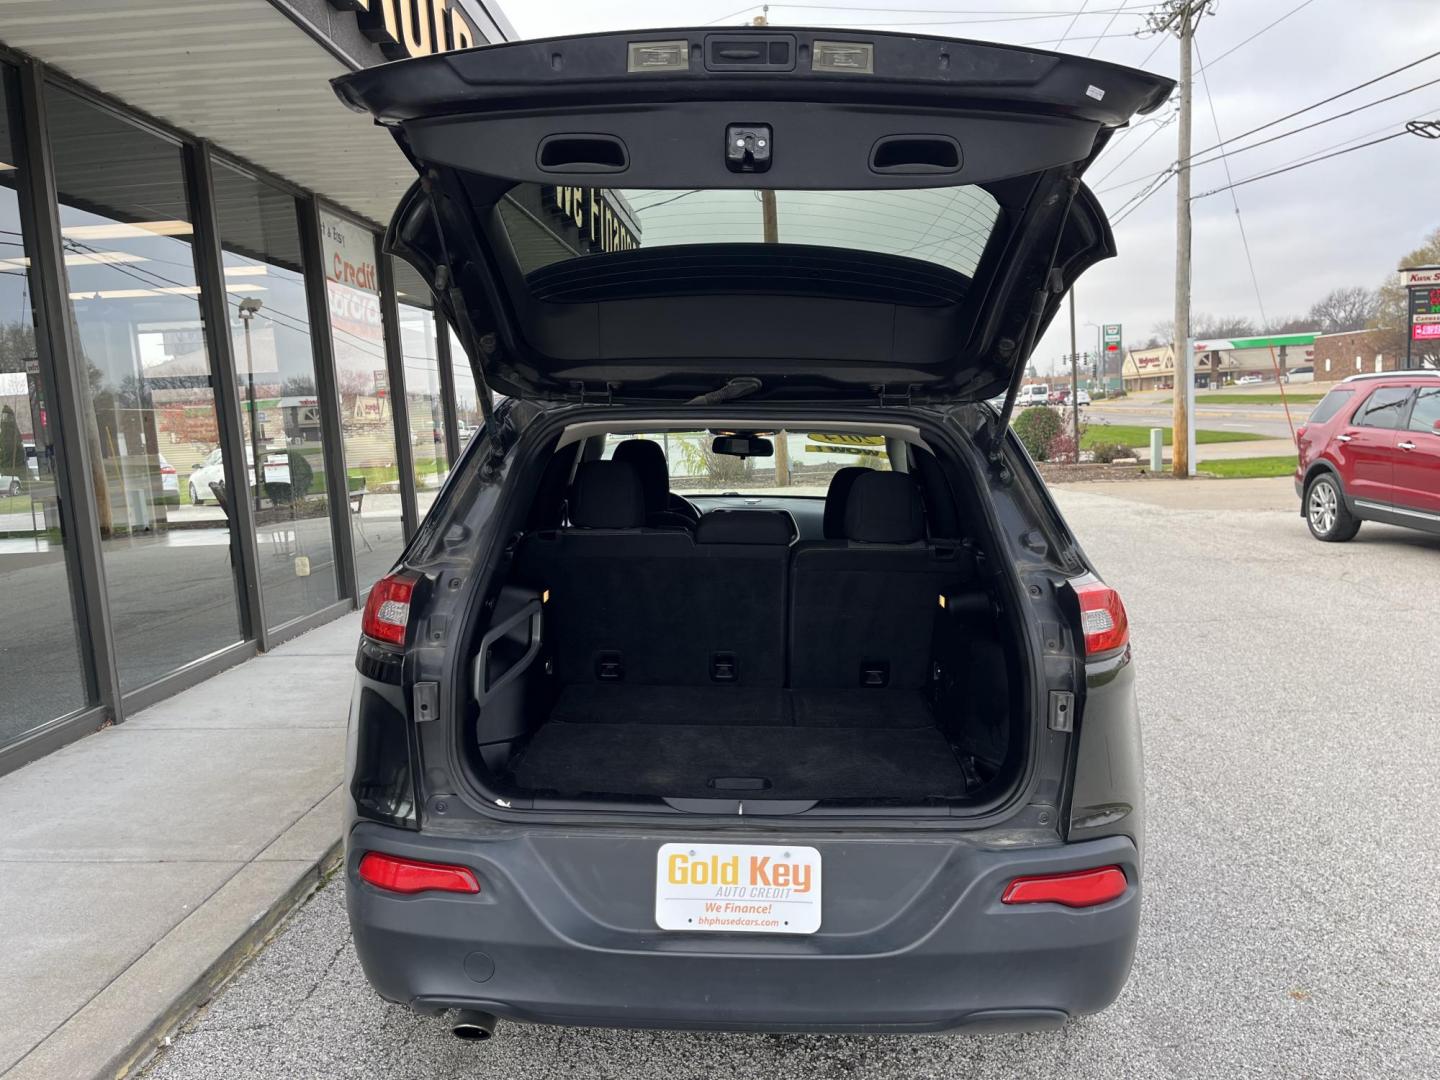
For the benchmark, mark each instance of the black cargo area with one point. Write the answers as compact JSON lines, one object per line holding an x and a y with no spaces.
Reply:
{"x":698,"y":742}
{"x":631,"y":654}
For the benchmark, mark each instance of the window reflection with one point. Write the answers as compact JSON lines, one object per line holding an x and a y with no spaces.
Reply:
{"x":367,"y":415}
{"x":150,"y":415}
{"x":280,"y":408}
{"x":467,"y":399}
{"x":420,"y":348}
{"x":40,"y":667}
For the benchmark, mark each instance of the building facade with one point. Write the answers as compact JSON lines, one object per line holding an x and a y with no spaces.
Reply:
{"x":1338,"y":356}
{"x":222,"y":410}
{"x":1220,"y":363}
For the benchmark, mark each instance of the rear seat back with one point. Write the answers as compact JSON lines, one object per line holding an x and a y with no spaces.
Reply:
{"x":616,"y":611}
{"x":738,"y":595}
{"x":863,"y":609}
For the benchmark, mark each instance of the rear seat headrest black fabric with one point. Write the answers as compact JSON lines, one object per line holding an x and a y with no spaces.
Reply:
{"x":648,"y":460}
{"x":606,"y":495}
{"x":884,"y":508}
{"x":836,"y":497}
{"x":745,"y":527}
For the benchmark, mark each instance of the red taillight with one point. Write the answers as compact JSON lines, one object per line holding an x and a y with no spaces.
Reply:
{"x":393,"y":874}
{"x":387,"y":609}
{"x":1083,"y":888}
{"x":1103,"y":618}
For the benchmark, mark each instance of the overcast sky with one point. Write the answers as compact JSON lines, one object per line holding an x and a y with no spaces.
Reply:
{"x":1339,"y":222}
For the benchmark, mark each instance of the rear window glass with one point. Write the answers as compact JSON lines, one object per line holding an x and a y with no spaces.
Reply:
{"x":946,"y":226}
{"x":811,"y":458}
{"x":1333,"y":402}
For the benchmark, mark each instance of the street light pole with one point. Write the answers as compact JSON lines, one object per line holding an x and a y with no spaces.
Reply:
{"x":249,"y":308}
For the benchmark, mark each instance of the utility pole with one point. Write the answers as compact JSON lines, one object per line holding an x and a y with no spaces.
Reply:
{"x":770,"y":223}
{"x":1180,"y":17}
{"x":1074,"y":380}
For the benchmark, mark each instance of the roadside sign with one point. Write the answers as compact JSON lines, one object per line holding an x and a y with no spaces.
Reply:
{"x":1110,"y":333}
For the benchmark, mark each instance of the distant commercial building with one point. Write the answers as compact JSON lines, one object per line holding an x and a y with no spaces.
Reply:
{"x":1220,"y":362}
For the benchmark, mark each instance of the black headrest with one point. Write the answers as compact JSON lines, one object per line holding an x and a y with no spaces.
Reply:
{"x":648,"y":460}
{"x":884,"y":508}
{"x":835,"y":498}
{"x":606,"y":495}
{"x":745,"y":527}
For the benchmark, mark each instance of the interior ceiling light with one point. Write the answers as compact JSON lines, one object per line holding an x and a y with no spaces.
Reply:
{"x":117,"y":230}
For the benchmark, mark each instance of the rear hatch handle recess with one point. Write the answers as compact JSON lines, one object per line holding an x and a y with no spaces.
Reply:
{"x":1054,"y":286}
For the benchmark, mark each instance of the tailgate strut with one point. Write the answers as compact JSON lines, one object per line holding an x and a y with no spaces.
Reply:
{"x":1053,"y":284}
{"x":460,"y":314}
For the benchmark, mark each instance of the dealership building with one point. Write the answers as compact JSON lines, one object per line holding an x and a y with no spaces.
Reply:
{"x":222,"y":410}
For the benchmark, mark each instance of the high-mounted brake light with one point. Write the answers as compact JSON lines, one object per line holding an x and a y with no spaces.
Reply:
{"x":1082,"y":888}
{"x":1103,"y":618}
{"x":394,"y":874}
{"x":387,"y":609}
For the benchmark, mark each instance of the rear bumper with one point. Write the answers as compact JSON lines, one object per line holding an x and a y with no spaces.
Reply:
{"x":913,"y":938}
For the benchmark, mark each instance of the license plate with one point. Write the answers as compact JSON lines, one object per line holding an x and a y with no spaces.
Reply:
{"x":745,"y":888}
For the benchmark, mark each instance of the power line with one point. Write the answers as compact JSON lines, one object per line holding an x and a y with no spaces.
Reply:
{"x":1043,"y":13}
{"x":1320,"y":123}
{"x":1138,"y":147}
{"x":1301,"y":165}
{"x":996,"y":15}
{"x":1083,"y":5}
{"x":1282,"y":135}
{"x":1091,"y":51}
{"x":1252,"y":37}
{"x":1239,"y":220}
{"x":1324,"y":101}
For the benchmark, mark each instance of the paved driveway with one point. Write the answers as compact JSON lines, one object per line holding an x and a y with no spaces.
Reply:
{"x":1293,"y":738}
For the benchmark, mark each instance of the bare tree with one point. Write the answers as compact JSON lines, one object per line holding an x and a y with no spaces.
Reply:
{"x":1342,"y":310}
{"x":1222,"y":326}
{"x":1295,"y":324}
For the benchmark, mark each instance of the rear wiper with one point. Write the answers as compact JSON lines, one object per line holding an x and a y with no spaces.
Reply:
{"x":740,"y":387}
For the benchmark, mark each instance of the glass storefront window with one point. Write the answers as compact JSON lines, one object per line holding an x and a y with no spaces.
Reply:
{"x":41,"y":677}
{"x":150,"y":414}
{"x":367,"y":416}
{"x":467,"y":399}
{"x":279,"y":406}
{"x":420,"y":348}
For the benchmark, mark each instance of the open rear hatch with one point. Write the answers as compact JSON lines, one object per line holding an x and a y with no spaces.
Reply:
{"x":783,"y":214}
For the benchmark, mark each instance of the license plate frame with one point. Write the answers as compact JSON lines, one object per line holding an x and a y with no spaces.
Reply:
{"x":738,"y":888}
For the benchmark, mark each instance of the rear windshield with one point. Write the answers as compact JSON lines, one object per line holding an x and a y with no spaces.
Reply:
{"x":947,"y":226}
{"x":809,"y":460}
{"x":1332,"y":403}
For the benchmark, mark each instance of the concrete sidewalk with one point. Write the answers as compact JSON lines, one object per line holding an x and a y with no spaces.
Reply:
{"x":138,"y":865}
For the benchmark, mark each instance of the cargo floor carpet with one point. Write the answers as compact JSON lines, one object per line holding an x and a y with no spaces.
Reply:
{"x":748,"y":761}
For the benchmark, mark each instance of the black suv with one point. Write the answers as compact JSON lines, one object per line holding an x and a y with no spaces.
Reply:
{"x":744,"y":674}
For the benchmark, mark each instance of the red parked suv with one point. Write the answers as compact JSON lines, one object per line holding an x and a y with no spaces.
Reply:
{"x":1371,"y":452}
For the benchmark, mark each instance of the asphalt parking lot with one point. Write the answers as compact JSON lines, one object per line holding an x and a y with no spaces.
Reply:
{"x":1292,"y":727}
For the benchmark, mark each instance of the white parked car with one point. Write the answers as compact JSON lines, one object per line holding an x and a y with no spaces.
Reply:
{"x":211,"y":470}
{"x":1300,"y":375}
{"x":1249,"y":380}
{"x":1082,"y":397}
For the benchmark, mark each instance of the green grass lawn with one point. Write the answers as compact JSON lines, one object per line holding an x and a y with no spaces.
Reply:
{"x":1296,"y":397}
{"x":1139,"y":435}
{"x":1303,"y":397}
{"x":1249,"y":467}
